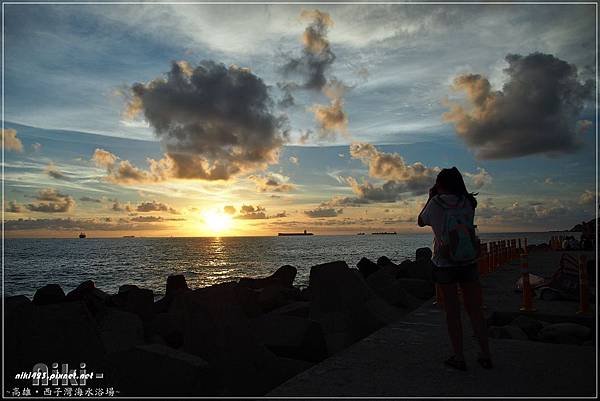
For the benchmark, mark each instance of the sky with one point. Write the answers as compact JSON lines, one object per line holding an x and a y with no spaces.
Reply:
{"x":198,"y":120}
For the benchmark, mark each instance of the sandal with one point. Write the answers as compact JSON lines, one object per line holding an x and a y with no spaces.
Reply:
{"x":455,"y":363}
{"x":485,"y":362}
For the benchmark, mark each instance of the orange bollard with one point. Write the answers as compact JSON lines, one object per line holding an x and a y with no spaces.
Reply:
{"x":584,"y":294}
{"x":527,"y":305}
{"x":560,"y":242}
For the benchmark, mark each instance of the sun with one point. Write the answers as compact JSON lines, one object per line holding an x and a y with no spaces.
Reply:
{"x":217,"y":222}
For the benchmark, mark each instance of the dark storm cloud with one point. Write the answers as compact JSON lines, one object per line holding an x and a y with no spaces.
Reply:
{"x":323,"y":212}
{"x":214,"y":121}
{"x":536,"y":111}
{"x":49,"y":200}
{"x":317,"y":56}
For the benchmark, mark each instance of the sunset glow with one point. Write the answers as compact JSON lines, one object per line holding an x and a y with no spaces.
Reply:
{"x":217,"y":222}
{"x":293,"y":117}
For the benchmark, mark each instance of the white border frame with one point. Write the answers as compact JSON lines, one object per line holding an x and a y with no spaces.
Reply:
{"x":305,"y":3}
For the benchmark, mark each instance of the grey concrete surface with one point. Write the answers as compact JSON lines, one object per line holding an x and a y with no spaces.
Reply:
{"x":405,"y":359}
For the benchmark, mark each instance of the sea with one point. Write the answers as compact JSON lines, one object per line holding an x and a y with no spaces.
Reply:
{"x":147,"y":262}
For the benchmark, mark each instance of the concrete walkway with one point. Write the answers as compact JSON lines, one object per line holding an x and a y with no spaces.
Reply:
{"x":405,"y":358}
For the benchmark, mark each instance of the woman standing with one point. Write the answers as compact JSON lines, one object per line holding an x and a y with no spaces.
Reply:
{"x":450,"y":211}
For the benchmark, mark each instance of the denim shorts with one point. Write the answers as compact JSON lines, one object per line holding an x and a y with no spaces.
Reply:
{"x":455,"y":274}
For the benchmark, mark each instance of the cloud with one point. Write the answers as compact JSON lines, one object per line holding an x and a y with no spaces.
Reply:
{"x":272,"y":182}
{"x":312,"y":67}
{"x":118,"y":207}
{"x":229,"y":209}
{"x":10,"y":140}
{"x":55,"y":173}
{"x":49,"y":200}
{"x":146,"y":219}
{"x":481,"y":178}
{"x":90,"y":199}
{"x":323,"y":212}
{"x":93,"y":224}
{"x":399,"y":178}
{"x":215,"y":122}
{"x":390,"y":191}
{"x":536,"y":111}
{"x":317,"y":56}
{"x":587,"y":198}
{"x":535,"y":212}
{"x":332,"y":118}
{"x":127,"y":173}
{"x":104,"y":158}
{"x":146,"y":207}
{"x":250,"y":212}
{"x":305,"y":136}
{"x":13,"y":207}
{"x":124,"y":172}
{"x":415,"y":178}
{"x":294,"y":160}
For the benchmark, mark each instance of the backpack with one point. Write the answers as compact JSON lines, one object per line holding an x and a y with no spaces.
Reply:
{"x":459,"y":241}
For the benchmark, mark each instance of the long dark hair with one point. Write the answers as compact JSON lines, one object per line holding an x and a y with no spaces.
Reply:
{"x":452,"y":181}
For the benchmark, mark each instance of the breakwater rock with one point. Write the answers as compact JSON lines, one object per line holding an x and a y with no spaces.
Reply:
{"x":242,"y":337}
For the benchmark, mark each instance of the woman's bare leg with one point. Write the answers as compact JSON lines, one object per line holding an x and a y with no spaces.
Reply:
{"x":473,"y":305}
{"x":453,"y":321}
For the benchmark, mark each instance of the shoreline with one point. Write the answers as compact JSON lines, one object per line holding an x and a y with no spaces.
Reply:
{"x":207,"y":331}
{"x":217,"y":334}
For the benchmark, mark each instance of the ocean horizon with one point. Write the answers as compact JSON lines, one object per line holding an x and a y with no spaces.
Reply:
{"x":30,"y":263}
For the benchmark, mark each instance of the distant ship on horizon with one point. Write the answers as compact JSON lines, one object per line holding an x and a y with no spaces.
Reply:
{"x":292,"y":234}
{"x":385,"y":233}
{"x":82,"y":235}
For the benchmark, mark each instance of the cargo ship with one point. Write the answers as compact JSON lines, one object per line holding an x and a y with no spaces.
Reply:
{"x":385,"y":233}
{"x":294,"y":234}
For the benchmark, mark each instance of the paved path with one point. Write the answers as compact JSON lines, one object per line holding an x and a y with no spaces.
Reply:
{"x":405,"y":358}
